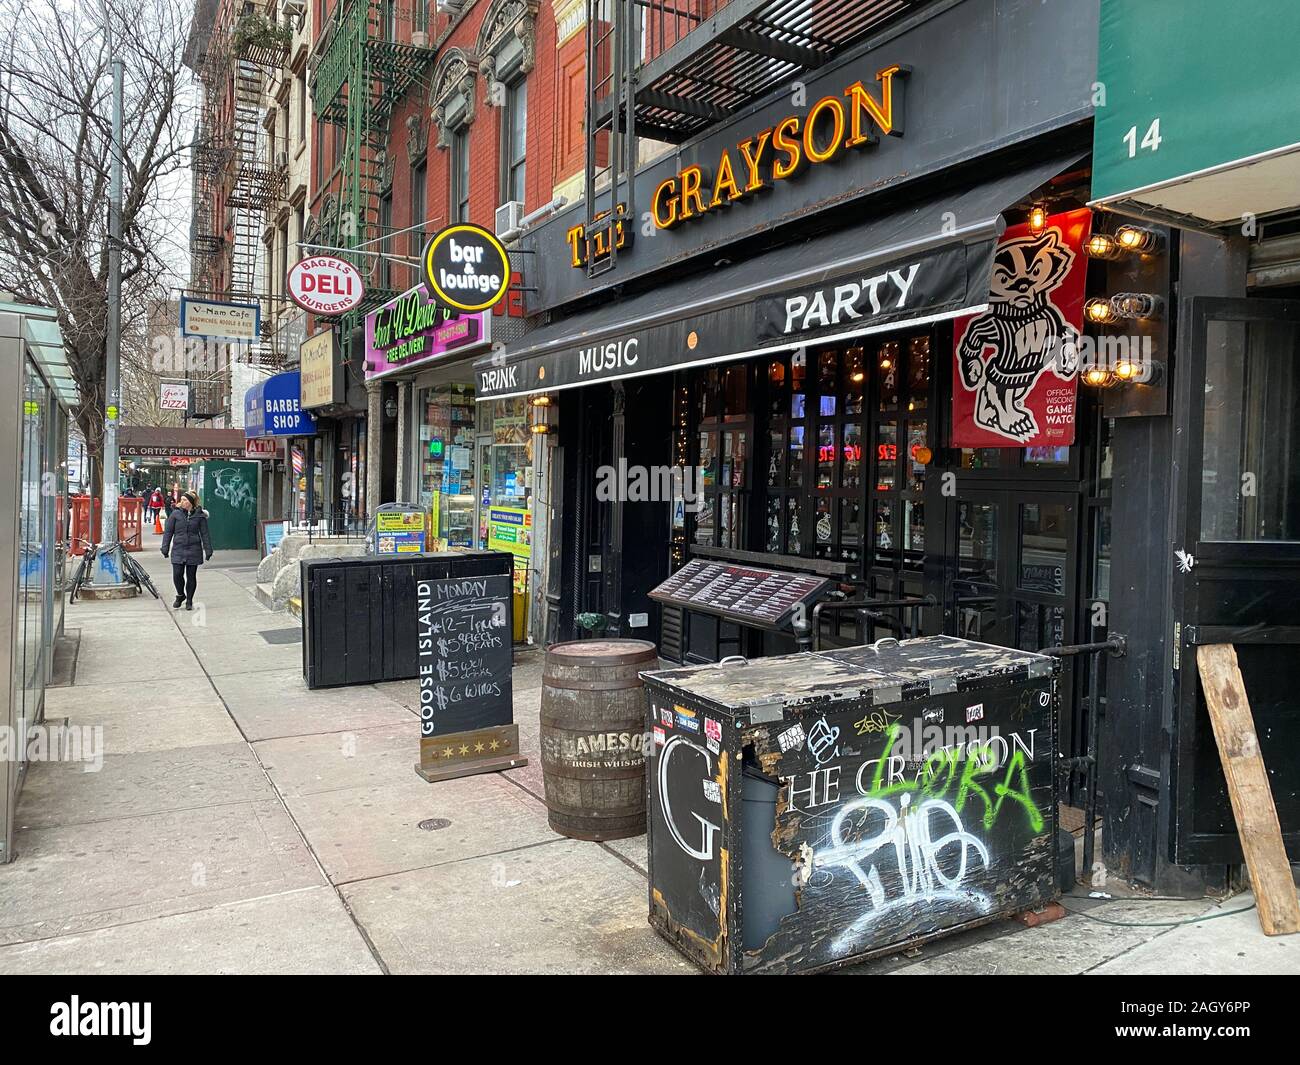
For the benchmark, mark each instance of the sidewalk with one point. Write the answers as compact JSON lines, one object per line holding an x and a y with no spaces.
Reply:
{"x":241,"y":823}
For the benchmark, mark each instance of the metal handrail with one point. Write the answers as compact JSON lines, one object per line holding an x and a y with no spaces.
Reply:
{"x":875,"y":608}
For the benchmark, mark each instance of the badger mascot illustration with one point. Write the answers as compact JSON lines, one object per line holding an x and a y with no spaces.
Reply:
{"x":1006,"y":349}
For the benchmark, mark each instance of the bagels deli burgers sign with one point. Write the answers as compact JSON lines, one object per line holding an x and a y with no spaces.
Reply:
{"x":466,"y":268}
{"x":326,"y":285}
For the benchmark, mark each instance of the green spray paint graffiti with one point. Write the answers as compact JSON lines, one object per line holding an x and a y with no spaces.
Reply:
{"x":977,"y":760}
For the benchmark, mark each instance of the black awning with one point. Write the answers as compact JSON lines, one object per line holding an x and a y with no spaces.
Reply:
{"x":922,"y":264}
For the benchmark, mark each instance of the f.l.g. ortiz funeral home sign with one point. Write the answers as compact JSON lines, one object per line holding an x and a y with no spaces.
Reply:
{"x":413,"y":328}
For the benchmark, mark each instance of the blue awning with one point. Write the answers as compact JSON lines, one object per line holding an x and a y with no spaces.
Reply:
{"x":274,"y":408}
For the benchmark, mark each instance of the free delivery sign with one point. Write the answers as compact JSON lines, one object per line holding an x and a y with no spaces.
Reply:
{"x":274,"y":408}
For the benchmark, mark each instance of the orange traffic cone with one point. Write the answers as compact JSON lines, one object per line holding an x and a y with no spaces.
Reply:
{"x":157,"y":525}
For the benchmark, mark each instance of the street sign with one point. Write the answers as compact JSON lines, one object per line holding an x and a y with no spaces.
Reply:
{"x":324,"y":284}
{"x":466,"y":267}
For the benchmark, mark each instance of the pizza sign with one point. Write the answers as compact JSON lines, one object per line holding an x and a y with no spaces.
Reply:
{"x":1016,"y":364}
{"x":324,"y":284}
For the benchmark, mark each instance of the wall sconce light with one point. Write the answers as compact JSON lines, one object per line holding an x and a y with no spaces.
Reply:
{"x":1137,"y":239}
{"x":1099,"y":310}
{"x":1037,"y":219}
{"x":1103,"y":246}
{"x":1096,"y":377}
{"x":1135,"y":305}
{"x":1124,"y":372}
{"x":543,"y":415}
{"x":390,"y":407}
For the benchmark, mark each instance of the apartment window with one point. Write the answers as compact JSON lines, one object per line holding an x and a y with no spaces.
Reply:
{"x":302,"y":105}
{"x":419,"y":176}
{"x":460,"y":175}
{"x":282,"y":259}
{"x":385,"y":227}
{"x":318,"y":161}
{"x":514,"y":138}
{"x":390,"y":20}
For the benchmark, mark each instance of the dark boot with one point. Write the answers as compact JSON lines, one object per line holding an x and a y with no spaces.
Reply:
{"x":178,"y":600}
{"x":189,"y":604}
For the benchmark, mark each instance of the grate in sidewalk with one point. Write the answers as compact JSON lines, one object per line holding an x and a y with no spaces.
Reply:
{"x":281,"y":635}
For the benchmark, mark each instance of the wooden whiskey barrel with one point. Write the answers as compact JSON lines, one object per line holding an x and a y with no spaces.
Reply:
{"x":593,"y":735}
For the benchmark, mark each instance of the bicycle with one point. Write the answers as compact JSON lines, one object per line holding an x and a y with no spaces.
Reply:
{"x":132,"y":570}
{"x":82,"y":573}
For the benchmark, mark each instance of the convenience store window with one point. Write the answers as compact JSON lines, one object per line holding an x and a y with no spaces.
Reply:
{"x":445,"y":477}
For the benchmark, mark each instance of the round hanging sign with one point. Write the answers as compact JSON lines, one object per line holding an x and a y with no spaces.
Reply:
{"x":323,"y":284}
{"x":467,"y":268}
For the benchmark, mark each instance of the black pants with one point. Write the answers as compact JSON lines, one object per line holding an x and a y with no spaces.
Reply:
{"x":186,"y":578}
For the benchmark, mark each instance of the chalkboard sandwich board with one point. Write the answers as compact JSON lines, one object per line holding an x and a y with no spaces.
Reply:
{"x":463,"y":627}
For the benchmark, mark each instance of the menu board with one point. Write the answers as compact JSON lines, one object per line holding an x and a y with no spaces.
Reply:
{"x":463,"y":629}
{"x":763,"y":598}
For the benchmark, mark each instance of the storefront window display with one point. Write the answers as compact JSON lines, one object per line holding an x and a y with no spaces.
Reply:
{"x":446,"y":485}
{"x":509,"y":521}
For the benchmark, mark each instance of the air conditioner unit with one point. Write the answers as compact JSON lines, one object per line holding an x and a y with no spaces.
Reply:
{"x":508,"y":217}
{"x":419,"y":39}
{"x":281,"y":159}
{"x":293,"y":8}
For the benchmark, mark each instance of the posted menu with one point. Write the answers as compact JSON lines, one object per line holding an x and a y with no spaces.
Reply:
{"x":463,"y":631}
{"x":759,"y":597}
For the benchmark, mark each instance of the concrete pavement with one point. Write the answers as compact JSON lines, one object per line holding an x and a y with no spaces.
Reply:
{"x":240,"y":823}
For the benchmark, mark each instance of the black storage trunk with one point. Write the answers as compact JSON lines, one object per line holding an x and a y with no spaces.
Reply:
{"x":805,"y":812}
{"x":359,"y":614}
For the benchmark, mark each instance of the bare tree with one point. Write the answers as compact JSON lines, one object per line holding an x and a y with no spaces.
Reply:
{"x":55,"y":154}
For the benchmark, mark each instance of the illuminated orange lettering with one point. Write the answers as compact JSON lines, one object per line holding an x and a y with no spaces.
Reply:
{"x":887,"y":114}
{"x":786,"y":129}
{"x":661,"y":222}
{"x":574,"y":237}
{"x":814,"y":154}
{"x":754,"y":159}
{"x":724,"y":182}
{"x":691,"y":177}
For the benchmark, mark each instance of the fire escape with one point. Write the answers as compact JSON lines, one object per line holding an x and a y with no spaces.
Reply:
{"x":234,"y":183}
{"x":666,"y":70}
{"x":359,"y":78}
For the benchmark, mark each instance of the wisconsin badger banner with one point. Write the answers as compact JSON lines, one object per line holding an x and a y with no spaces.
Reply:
{"x":1016,"y":364}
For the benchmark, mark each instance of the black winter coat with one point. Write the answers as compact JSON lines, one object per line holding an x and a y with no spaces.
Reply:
{"x":186,"y":537}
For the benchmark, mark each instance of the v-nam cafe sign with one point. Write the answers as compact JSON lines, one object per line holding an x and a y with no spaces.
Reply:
{"x":413,"y":329}
{"x":219,"y":320}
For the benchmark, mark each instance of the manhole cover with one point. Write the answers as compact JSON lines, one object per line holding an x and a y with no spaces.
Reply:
{"x":281,"y":635}
{"x":432,"y":824}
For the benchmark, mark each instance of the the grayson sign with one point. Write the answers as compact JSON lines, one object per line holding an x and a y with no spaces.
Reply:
{"x":324,"y":284}
{"x":466,"y":267}
{"x":927,"y":283}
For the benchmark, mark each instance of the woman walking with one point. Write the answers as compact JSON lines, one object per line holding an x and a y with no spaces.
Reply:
{"x":187,"y":541}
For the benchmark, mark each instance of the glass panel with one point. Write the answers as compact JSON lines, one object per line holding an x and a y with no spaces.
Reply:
{"x":798,"y":371}
{"x":774,"y":525}
{"x":737,"y":455}
{"x":1043,"y":457}
{"x":825,"y":530}
{"x":1039,"y":626}
{"x":976,"y":588}
{"x":727,"y":508}
{"x":886,"y":456}
{"x":1042,"y":547}
{"x":885,"y":538}
{"x":854,"y":380}
{"x":776,"y":451}
{"x":792,"y":526}
{"x":704,"y":520}
{"x":828,"y":363}
{"x":735,"y":391}
{"x":795,"y":469}
{"x":981,"y":458}
{"x":1250,"y":477}
{"x":851,"y":524}
{"x":798,"y":403}
{"x":709,"y":395}
{"x":913,"y":525}
{"x":445,"y":466}
{"x":709,"y":459}
{"x":887,"y":364}
{"x":918,"y":373}
{"x":1101,"y":557}
{"x":851,"y":477}
{"x":826,"y":456}
{"x":777,"y":385}
{"x":918,"y":449}
{"x":826,"y":406}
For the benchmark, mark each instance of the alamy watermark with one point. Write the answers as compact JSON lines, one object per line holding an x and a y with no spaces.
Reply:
{"x":53,"y":743}
{"x":650,"y":484}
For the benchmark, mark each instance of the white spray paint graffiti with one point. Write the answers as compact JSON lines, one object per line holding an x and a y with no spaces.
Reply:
{"x":704,"y":852}
{"x":918,"y":854}
{"x":230,"y":486}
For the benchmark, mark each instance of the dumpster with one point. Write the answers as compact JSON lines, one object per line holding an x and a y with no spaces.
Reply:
{"x":811,"y":810}
{"x":360,"y":618}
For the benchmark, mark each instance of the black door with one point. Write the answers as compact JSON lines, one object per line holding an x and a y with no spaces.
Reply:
{"x":1235,"y":566}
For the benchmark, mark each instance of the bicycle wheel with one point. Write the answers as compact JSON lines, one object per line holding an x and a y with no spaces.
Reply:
{"x":140,"y":576}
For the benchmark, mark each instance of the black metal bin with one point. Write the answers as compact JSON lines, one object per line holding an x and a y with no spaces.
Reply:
{"x":359,"y":614}
{"x":815,"y":809}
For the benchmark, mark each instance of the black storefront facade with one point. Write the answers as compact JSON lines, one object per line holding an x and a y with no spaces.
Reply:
{"x":796,"y":347}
